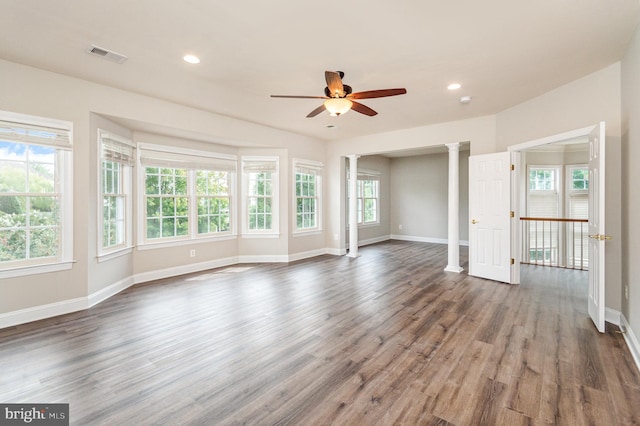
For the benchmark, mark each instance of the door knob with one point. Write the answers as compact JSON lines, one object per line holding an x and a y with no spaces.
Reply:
{"x":473,"y":221}
{"x":601,"y":237}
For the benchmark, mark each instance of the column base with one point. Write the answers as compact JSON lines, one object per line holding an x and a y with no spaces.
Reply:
{"x":456,"y":269}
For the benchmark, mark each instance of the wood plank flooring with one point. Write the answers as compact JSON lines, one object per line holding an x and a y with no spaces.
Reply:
{"x":388,"y":338}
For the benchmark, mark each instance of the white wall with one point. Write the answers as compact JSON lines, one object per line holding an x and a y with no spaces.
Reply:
{"x":480,"y":132}
{"x":420,"y":193}
{"x":36,"y":92}
{"x":380,"y":231}
{"x":579,"y":104}
{"x":630,"y":178}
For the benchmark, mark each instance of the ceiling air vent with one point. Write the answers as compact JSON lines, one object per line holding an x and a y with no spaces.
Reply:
{"x":106,"y":54}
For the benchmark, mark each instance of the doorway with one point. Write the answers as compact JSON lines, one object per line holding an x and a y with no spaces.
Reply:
{"x":595,"y":137}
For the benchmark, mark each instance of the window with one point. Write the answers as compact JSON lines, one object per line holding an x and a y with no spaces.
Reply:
{"x":260,"y":195}
{"x":35,"y":193}
{"x":116,"y":162}
{"x":368,"y":189}
{"x":578,"y":208}
{"x":214,"y":200}
{"x":187,"y":194}
{"x":167,"y":203}
{"x":308,"y":180}
{"x":543,"y":201}
{"x":543,"y":195}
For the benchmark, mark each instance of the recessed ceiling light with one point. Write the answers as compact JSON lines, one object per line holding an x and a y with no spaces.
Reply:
{"x":192,"y":59}
{"x":454,"y":86}
{"x":465,"y":99}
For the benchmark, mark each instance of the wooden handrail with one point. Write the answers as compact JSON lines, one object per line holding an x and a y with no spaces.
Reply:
{"x":555,"y":219}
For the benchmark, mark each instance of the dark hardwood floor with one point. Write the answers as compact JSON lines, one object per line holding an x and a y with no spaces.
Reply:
{"x":388,"y":338}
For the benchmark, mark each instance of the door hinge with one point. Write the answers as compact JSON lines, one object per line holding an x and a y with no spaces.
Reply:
{"x":513,"y":261}
{"x":513,"y":167}
{"x":512,"y":214}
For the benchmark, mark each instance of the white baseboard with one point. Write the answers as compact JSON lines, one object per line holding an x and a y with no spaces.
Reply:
{"x":374,"y":240}
{"x":612,"y":316}
{"x":276,"y":258}
{"x":307,"y":254}
{"x":105,"y":293}
{"x":184,"y":269}
{"x":37,"y":313}
{"x":631,"y":339}
{"x":426,"y":239}
{"x":337,"y":251}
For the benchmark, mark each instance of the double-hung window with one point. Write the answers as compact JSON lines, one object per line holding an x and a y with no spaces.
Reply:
{"x":543,"y":201}
{"x":115,"y":217}
{"x":187,"y":194}
{"x":260,"y":187}
{"x":368,"y":194}
{"x":35,"y":195}
{"x":308,"y":191}
{"x":213,"y":194}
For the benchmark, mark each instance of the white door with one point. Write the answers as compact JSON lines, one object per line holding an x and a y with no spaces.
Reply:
{"x":597,"y":235}
{"x":489,"y":214}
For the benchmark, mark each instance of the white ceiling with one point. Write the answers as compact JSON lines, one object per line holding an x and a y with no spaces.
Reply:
{"x":503,"y":52}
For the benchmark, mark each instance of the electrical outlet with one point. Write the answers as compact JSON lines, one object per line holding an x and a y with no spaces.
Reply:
{"x":192,"y":253}
{"x":626,"y":292}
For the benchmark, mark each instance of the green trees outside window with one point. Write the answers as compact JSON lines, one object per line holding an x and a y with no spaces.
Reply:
{"x":213,"y":198}
{"x":306,"y":201}
{"x":167,"y":203}
{"x":113,"y":200}
{"x":29,"y":202}
{"x":260,"y":199}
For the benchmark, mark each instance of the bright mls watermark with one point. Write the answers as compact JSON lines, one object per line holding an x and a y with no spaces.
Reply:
{"x":34,"y":414}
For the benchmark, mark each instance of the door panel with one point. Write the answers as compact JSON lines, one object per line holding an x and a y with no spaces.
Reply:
{"x":597,"y":235}
{"x":489,"y":208}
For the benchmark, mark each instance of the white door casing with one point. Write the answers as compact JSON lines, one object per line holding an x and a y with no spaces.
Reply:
{"x":597,"y":237}
{"x":489,"y":216}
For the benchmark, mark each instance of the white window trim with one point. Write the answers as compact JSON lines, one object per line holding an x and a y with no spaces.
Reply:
{"x":193,"y":236}
{"x":558,"y":183}
{"x":274,"y":232}
{"x":105,"y":254}
{"x":296,"y":162}
{"x":366,"y":173}
{"x":65,"y":157}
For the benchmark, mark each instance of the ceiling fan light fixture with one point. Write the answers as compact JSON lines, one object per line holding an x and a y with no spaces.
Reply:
{"x":337,"y":106}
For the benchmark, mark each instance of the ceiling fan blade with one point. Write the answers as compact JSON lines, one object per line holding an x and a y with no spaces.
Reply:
{"x":363,"y":109}
{"x":377,"y":93}
{"x":334,"y":83}
{"x":316,"y":111}
{"x":299,"y":97}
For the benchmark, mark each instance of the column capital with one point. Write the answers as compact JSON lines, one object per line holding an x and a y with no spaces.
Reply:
{"x":453,"y":146}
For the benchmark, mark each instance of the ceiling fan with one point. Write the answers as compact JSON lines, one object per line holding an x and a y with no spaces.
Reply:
{"x":339,"y":97}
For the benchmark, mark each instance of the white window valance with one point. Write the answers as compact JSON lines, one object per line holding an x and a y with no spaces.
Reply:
{"x":35,"y":134}
{"x":115,"y":148}
{"x":260,"y":165}
{"x":154,"y":156}
{"x":307,"y":167}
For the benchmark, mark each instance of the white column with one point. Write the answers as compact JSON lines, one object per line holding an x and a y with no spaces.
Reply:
{"x":353,"y":205}
{"x":453,"y":264}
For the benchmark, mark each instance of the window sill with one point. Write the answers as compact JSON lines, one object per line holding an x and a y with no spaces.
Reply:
{"x":249,"y":235}
{"x":105,"y":257}
{"x":36,"y":269}
{"x":307,"y":233}
{"x":367,"y":225}
{"x":177,"y":243}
